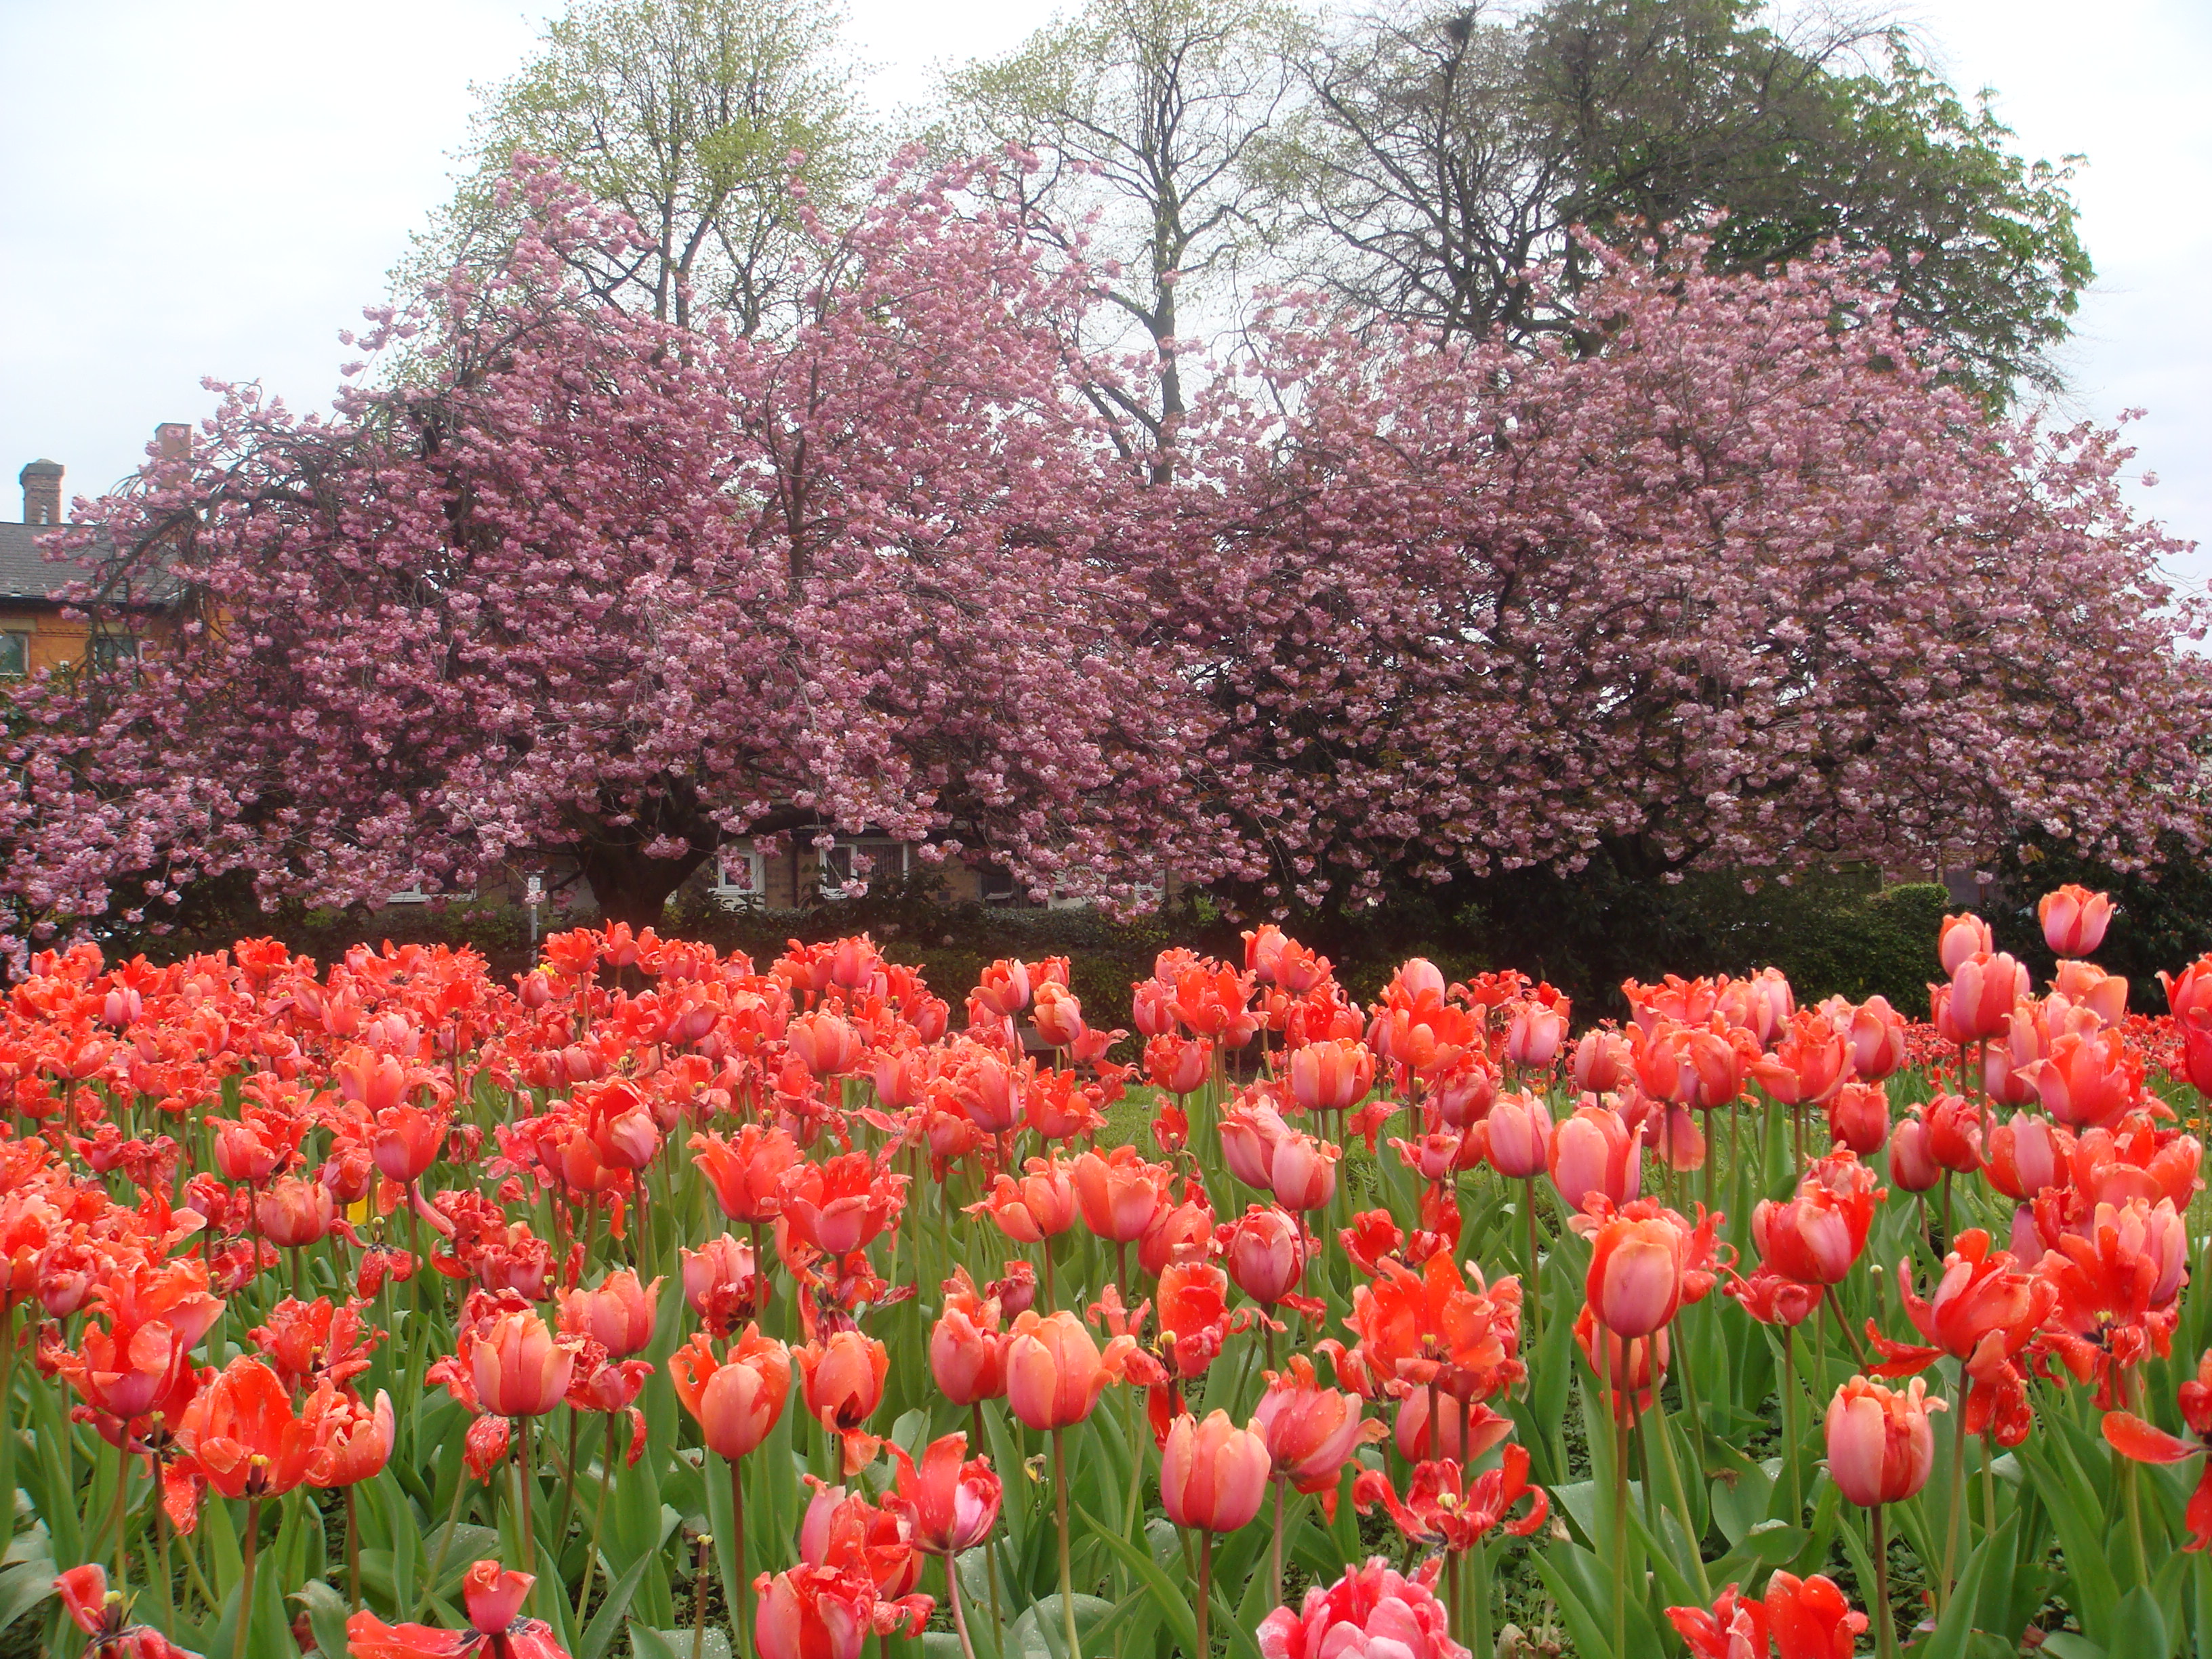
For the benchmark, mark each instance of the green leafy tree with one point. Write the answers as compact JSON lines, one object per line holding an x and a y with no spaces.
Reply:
{"x":1443,"y":152}
{"x":687,"y":115}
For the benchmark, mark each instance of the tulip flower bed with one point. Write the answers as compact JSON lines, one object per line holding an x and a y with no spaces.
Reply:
{"x":654,"y":1301}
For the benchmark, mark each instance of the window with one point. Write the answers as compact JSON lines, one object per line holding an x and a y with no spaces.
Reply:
{"x":108,"y":652}
{"x":847,"y":862}
{"x":1077,"y":891}
{"x":415,"y":893}
{"x":740,"y":876}
{"x":15,"y":655}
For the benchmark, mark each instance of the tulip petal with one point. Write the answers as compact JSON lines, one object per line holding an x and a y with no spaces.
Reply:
{"x":2132,"y":1438}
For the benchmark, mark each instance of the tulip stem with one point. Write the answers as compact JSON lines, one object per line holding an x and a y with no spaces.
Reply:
{"x":705,"y":1544}
{"x":1790,"y":1422}
{"x":1954,"y":1517}
{"x":353,"y":1553}
{"x":1885,"y":1618}
{"x":1654,"y":1429}
{"x":245,"y":1578}
{"x":1205,"y":1593}
{"x":523,"y":1483}
{"x":734,"y":1593}
{"x":1535,"y":1286}
{"x":445,"y":1543}
{"x":568,"y":1483}
{"x":1067,"y":1570}
{"x":952,"y":1599}
{"x":1275,"y":1551}
{"x":1989,"y":1481}
{"x":1619,"y":1514}
{"x":990,"y":1545}
{"x":122,"y":1543}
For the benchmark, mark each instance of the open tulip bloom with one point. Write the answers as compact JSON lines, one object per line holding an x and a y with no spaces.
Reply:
{"x":668,"y":1275}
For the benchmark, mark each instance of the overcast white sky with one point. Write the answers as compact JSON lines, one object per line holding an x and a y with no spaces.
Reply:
{"x":217,"y":188}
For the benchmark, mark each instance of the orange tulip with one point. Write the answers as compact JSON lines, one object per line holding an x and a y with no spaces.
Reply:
{"x":1055,"y":1372}
{"x":2073,"y":919}
{"x":735,"y":1400}
{"x":1213,"y":1474}
{"x":519,"y":1367}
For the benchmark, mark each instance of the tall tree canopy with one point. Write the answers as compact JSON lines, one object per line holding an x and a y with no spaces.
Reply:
{"x":696,"y":117}
{"x":1444,"y":149}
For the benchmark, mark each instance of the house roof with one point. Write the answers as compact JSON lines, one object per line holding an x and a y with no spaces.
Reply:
{"x":25,"y":572}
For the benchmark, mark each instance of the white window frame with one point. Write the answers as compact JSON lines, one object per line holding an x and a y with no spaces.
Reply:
{"x":888,"y":857}
{"x":740,"y":875}
{"x":1149,"y":894}
{"x":414,"y":895}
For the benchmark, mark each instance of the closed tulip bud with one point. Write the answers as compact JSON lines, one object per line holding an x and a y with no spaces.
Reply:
{"x":1303,"y":1171}
{"x":1593,"y":1152}
{"x":1858,"y":1117}
{"x":967,"y":1350}
{"x":1331,"y":1076}
{"x":293,"y":1212}
{"x":619,"y":1316}
{"x":1517,"y":1135}
{"x":1057,"y":1016}
{"x":843,"y":1377}
{"x":1959,"y":938}
{"x":1913,"y":1166}
{"x":519,"y":1367}
{"x":1119,"y":1194}
{"x":1535,"y":1035}
{"x":1055,"y":1372}
{"x":1954,"y":1132}
{"x":1602,"y":1062}
{"x":2026,"y":1155}
{"x":1265,"y":1253}
{"x":1983,"y":991}
{"x":1881,"y":1444}
{"x":1213,"y":1474}
{"x":1183,"y":1230}
{"x":2073,"y":919}
{"x":1877,"y":1040}
{"x":1634,"y":1284}
{"x":405,"y":1141}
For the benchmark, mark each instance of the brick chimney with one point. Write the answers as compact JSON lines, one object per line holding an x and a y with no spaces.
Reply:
{"x":42,"y":492}
{"x":172,"y":441}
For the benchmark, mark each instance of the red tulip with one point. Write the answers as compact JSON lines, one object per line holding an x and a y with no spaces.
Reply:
{"x":1213,"y":1474}
{"x":2073,"y":919}
{"x":404,"y":1143}
{"x":1369,"y":1611}
{"x":1624,"y":1366}
{"x":843,"y":1379}
{"x":722,"y":1281}
{"x":746,"y":1176}
{"x":100,"y":1613}
{"x":967,"y":1349}
{"x":1960,"y":938}
{"x":1594,"y":1153}
{"x":493,"y":1598}
{"x":620,"y":1315}
{"x":1517,"y":1136}
{"x":1264,"y":1251}
{"x":1858,"y":1117}
{"x":1817,"y":1236}
{"x":1954,"y":1132}
{"x":953,"y":1505}
{"x":1881,"y":1445}
{"x":1041,"y":1205}
{"x":1467,"y":1432}
{"x":736,"y":1401}
{"x":1311,"y":1432}
{"x":825,"y":1612}
{"x":1179,"y":1065}
{"x":2086,"y":1079}
{"x":838,"y":1206}
{"x":1979,"y":998}
{"x":1303,"y":1171}
{"x":1913,"y":1166}
{"x":1119,"y":1194}
{"x":2026,"y":1155}
{"x":2086,"y":986}
{"x":240,"y":1433}
{"x":1331,"y":1076}
{"x":518,"y":1366}
{"x":353,"y":1441}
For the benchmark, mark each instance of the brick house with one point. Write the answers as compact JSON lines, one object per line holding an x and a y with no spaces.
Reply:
{"x":34,"y":632}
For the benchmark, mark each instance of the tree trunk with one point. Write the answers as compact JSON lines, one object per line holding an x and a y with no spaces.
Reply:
{"x":630,"y":887}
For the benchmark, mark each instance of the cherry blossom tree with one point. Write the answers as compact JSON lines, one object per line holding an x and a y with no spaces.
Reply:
{"x":583,"y":583}
{"x":1733,"y":579}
